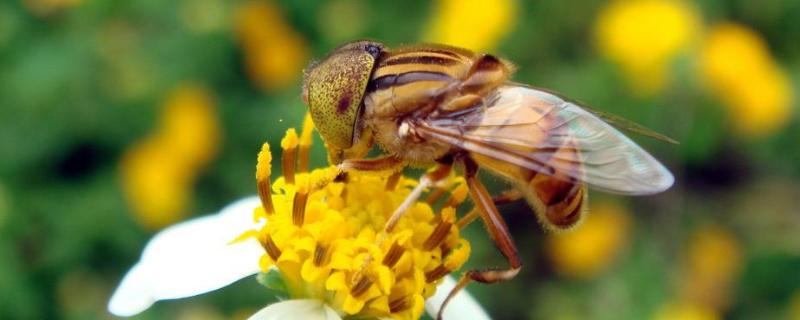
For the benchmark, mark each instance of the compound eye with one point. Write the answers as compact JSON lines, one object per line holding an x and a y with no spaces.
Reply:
{"x":335,"y":91}
{"x":374,"y":50}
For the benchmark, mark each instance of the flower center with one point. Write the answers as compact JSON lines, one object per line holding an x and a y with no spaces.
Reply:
{"x":325,"y":235}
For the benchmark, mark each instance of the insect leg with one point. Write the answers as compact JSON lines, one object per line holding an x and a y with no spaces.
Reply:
{"x":428,"y":180}
{"x":505,"y":197}
{"x":376,"y":164}
{"x":498,"y":231}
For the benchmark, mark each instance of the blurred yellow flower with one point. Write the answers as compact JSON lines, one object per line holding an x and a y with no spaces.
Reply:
{"x":736,"y":65}
{"x":156,"y":186}
{"x":472,"y":24}
{"x":274,"y":53}
{"x":158,"y":172}
{"x":794,"y":306}
{"x":684,"y":310}
{"x":80,"y":293}
{"x":242,"y":314}
{"x":204,"y":15}
{"x":591,"y":247}
{"x":128,"y":73}
{"x":713,"y":262}
{"x":189,"y":125}
{"x":48,"y":7}
{"x":644,"y":37}
{"x":198,"y":311}
{"x":343,"y":20}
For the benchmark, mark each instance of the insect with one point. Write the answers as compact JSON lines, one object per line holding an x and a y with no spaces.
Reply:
{"x":436,"y":105}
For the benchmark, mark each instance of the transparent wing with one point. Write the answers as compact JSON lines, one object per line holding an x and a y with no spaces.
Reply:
{"x":540,"y":131}
{"x":612,"y":119}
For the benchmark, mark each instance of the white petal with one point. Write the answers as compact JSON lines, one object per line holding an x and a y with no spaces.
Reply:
{"x":190,"y":258}
{"x":296,"y":310}
{"x":462,"y":306}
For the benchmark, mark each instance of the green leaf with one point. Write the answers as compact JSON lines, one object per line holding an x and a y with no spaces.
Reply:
{"x":273,"y":281}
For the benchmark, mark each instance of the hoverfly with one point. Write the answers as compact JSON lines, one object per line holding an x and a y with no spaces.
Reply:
{"x":429,"y":105}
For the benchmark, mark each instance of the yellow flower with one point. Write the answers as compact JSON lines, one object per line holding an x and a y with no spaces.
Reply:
{"x":158,"y":172}
{"x":79,"y":292}
{"x":323,"y":233}
{"x":588,"y":249}
{"x":343,"y":20}
{"x":189,"y":125}
{"x":794,"y":306}
{"x":736,"y":65}
{"x":712,"y":264}
{"x":155,"y":184}
{"x":473,"y":24}
{"x":684,"y":310}
{"x":274,"y":53}
{"x":49,"y":7}
{"x":644,"y":37}
{"x":325,"y":236}
{"x":128,"y":72}
{"x":203,"y":15}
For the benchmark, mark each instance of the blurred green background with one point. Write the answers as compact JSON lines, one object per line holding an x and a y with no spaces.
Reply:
{"x":119,"y":118}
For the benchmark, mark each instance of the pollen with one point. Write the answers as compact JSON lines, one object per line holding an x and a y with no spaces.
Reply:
{"x":305,"y":144}
{"x":263,"y":171}
{"x":289,"y":159}
{"x":326,"y":238}
{"x":264,"y":164}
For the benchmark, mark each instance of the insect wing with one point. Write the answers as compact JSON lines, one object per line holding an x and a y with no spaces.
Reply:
{"x":540,"y":131}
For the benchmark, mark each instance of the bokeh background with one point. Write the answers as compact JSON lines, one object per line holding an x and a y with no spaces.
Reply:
{"x":118,"y":118}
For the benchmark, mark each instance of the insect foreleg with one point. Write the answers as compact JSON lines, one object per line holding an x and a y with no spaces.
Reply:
{"x":428,"y":180}
{"x":377,"y":164}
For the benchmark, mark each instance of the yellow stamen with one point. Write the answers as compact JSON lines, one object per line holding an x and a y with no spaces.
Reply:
{"x":320,"y":255}
{"x":437,"y":235}
{"x":394,"y":254}
{"x":263,"y":171}
{"x":456,"y":257}
{"x":436,"y":274}
{"x":398,"y":305}
{"x":272,"y":249}
{"x":305,"y":143}
{"x":289,"y":159}
{"x":299,"y":205}
{"x":457,"y":196}
{"x":361,"y":286}
{"x":448,"y":217}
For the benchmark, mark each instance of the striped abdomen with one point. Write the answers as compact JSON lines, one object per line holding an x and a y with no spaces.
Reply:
{"x":560,"y":204}
{"x":558,"y":199}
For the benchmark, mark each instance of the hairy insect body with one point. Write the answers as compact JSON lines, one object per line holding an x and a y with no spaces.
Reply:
{"x":417,"y":83}
{"x":411,"y":84}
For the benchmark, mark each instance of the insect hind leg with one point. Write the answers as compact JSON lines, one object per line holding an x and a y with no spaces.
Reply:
{"x":497,"y":229}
